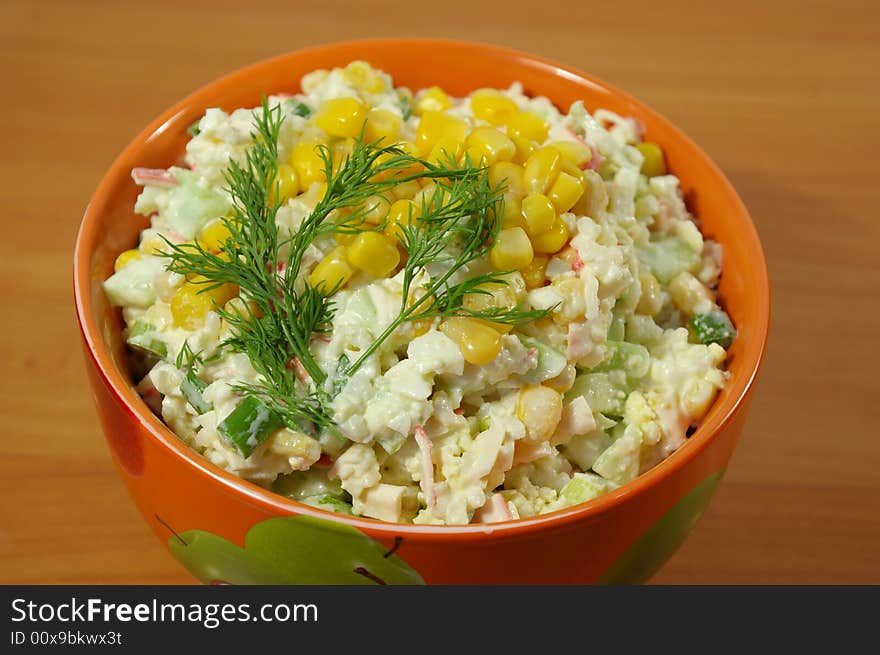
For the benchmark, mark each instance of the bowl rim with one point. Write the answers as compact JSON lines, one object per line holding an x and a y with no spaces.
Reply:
{"x":126,"y":397}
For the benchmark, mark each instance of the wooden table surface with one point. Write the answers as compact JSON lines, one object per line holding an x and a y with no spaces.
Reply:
{"x":785,"y":96}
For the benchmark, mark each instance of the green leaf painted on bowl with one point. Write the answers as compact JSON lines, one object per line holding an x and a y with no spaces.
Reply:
{"x":647,"y":554}
{"x":292,"y":550}
{"x":215,"y":560}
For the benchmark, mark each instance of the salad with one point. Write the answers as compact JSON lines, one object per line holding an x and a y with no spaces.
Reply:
{"x":422,"y":308}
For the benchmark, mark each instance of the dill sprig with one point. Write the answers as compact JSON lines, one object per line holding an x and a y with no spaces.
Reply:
{"x":280,"y":313}
{"x":456,"y":225}
{"x":275,"y":325}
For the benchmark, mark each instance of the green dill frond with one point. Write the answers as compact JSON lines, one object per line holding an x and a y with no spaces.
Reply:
{"x":281,"y":313}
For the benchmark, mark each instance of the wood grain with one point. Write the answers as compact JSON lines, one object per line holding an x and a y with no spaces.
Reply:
{"x":783,"y":95}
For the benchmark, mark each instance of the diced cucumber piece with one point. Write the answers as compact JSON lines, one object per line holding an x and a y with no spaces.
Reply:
{"x":391,"y":444}
{"x":192,"y":388}
{"x":341,"y":374}
{"x":332,"y":442}
{"x":603,"y":422}
{"x":328,"y":502}
{"x":714,"y":327}
{"x":642,"y":329}
{"x":617,"y":329}
{"x":608,"y":169}
{"x":620,"y":461}
{"x":190,"y":206}
{"x":302,"y":484}
{"x":362,"y":306}
{"x":249,"y":425}
{"x":584,"y":449}
{"x":405,"y":107}
{"x":585,"y":486}
{"x":668,"y":257}
{"x":142,"y":338}
{"x":550,"y":361}
{"x":632,"y":358}
{"x":298,"y":107}
{"x":132,"y":285}
{"x":605,"y":392}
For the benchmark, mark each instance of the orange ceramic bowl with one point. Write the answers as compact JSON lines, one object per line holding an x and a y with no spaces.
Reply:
{"x":224,"y":529}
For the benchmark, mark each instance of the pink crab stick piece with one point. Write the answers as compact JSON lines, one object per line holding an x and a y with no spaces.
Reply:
{"x":153,"y":176}
{"x":427,"y":481}
{"x":494,"y":511}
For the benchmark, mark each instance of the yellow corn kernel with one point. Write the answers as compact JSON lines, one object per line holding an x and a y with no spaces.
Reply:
{"x":492,"y":106}
{"x":512,"y":250}
{"x":541,"y":169}
{"x":447,"y":148}
{"x":512,"y":214}
{"x":566,"y":191}
{"x":382,"y":124}
{"x":574,"y":152}
{"x":421,"y":326}
{"x":433,"y":99}
{"x":342,"y":117}
{"x":242,"y":309}
{"x":125,"y":258}
{"x":382,"y":160}
{"x":401,"y":212}
{"x":538,"y":213}
{"x":595,"y":197}
{"x":524,"y":149}
{"x":690,"y":295}
{"x":342,"y":217}
{"x":540,"y":410}
{"x":193,"y":300}
{"x":332,"y":272}
{"x":313,"y":195}
{"x":654,"y":163}
{"x":374,"y":209}
{"x":568,"y":255}
{"x":453,"y":327}
{"x":696,"y":397}
{"x":293,"y":445}
{"x":214,"y":235}
{"x":344,"y":238}
{"x":479,"y":343}
{"x":287,"y":184}
{"x":409,"y":148}
{"x":489,"y":296}
{"x":573,"y":305}
{"x":435,"y":125}
{"x":528,"y":125}
{"x":486,"y":146}
{"x":651,"y":300}
{"x":152,"y":244}
{"x":307,"y":163}
{"x":509,"y":175}
{"x":571,"y":169}
{"x":188,"y":307}
{"x":373,"y":253}
{"x":535,"y":273}
{"x":553,"y":240}
{"x":363,"y":77}
{"x":406,"y":190}
{"x":564,"y":381}
{"x":341,"y":150}
{"x":430,"y":195}
{"x":420,"y":300}
{"x":517,"y":286}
